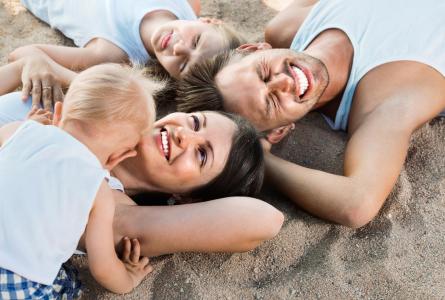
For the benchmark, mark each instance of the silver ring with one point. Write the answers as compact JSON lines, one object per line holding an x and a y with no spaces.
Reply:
{"x":47,"y":88}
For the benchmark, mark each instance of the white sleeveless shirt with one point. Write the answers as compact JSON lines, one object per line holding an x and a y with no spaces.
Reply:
{"x":380,"y":31}
{"x":117,"y":21}
{"x":48,"y":181}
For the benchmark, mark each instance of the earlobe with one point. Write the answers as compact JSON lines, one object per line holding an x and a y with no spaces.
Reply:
{"x":252,"y":47}
{"x":115,"y":158}
{"x":277,"y":134}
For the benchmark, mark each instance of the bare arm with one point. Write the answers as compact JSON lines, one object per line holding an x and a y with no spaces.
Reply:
{"x":10,"y":77}
{"x":235,"y":224}
{"x":375,"y":152}
{"x":281,"y":30}
{"x":196,"y":6}
{"x":104,"y":264}
{"x":96,"y":52}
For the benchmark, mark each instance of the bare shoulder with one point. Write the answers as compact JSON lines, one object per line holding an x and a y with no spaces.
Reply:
{"x":282,"y":28}
{"x":407,"y":92}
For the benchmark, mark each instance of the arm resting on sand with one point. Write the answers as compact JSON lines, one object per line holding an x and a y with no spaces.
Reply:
{"x":374,"y":154}
{"x":235,"y":224}
{"x":96,"y":52}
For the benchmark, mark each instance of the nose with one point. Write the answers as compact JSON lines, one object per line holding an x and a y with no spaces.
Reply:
{"x":185,"y":137}
{"x":181,"y":49}
{"x":280,"y":82}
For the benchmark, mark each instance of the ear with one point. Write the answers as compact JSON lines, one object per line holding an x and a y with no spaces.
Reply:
{"x":115,"y":158}
{"x":57,"y":114}
{"x":252,"y":47}
{"x":211,"y":20}
{"x":277,"y":134}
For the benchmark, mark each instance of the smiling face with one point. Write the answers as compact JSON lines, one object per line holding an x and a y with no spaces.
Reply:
{"x":272,"y":88}
{"x":186,"y":151}
{"x":179,"y":44}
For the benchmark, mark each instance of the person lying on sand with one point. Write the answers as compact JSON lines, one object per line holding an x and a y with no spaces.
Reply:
{"x":65,"y":168}
{"x":133,"y":31}
{"x":373,"y":68}
{"x":225,"y":175}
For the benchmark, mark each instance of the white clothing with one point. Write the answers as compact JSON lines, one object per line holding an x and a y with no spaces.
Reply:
{"x":117,"y":21}
{"x":12,"y":109}
{"x":380,"y":31}
{"x":49,"y":181}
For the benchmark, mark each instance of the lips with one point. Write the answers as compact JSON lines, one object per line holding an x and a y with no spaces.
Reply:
{"x":166,"y":40}
{"x":163,"y":141}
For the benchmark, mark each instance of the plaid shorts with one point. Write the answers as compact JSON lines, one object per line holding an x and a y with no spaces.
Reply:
{"x":66,"y":286}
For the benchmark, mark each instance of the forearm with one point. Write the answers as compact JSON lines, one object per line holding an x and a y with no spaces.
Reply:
{"x":10,"y":77}
{"x":325,"y":195}
{"x":236,"y":224}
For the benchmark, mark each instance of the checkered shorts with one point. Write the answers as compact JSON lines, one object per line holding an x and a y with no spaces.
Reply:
{"x":66,"y":286}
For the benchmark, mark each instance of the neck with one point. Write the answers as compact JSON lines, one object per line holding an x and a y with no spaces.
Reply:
{"x":150,"y":23}
{"x":132,"y":176}
{"x":335,"y":50}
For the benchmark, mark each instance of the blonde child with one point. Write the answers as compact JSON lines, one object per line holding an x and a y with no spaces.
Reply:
{"x":65,"y":167}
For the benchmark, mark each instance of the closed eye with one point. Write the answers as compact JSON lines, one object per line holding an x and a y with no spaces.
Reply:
{"x":198,"y":37}
{"x":182,"y":66}
{"x":196,"y":123}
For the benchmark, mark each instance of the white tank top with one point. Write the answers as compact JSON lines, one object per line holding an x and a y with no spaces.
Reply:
{"x":117,"y":21}
{"x":48,"y":182}
{"x":380,"y":31}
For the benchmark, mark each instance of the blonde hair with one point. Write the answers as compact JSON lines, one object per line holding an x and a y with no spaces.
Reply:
{"x":111,"y":93}
{"x":232,"y":38}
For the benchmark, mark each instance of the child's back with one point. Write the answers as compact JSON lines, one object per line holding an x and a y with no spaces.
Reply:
{"x":52,"y":177}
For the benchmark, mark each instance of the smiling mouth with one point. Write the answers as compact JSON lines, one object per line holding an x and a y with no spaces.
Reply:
{"x":166,"y":40}
{"x":301,"y":81}
{"x":165,"y":143}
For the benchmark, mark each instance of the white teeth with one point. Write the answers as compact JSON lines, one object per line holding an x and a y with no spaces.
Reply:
{"x":164,"y":140}
{"x":302,"y":79}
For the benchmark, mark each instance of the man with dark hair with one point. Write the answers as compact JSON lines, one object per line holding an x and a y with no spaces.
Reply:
{"x":374,"y":68}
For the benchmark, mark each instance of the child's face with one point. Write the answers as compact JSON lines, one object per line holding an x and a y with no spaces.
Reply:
{"x":179,"y":44}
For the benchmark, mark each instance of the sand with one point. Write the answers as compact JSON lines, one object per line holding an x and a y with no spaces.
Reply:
{"x":399,"y":255}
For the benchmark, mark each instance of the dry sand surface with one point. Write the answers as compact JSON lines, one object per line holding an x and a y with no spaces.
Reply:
{"x":399,"y":255}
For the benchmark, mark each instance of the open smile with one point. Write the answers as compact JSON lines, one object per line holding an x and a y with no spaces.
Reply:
{"x":163,"y":141}
{"x":302,"y":80}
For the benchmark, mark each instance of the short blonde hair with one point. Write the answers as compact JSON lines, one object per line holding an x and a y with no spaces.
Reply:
{"x":111,"y":93}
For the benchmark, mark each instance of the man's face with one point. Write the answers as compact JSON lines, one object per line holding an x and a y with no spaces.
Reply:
{"x":273,"y":87}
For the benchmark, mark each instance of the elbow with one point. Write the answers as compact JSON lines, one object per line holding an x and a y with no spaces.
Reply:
{"x":362,"y":213}
{"x":268,"y":222}
{"x":270,"y":34}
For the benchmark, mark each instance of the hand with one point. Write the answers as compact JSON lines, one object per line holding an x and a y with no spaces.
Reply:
{"x":42,"y":116}
{"x":39,"y":80}
{"x":137,"y":266}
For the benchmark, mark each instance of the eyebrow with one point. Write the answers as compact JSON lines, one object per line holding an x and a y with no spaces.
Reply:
{"x":208,"y":144}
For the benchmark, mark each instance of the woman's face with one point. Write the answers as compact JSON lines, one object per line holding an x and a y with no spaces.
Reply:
{"x":179,"y":44}
{"x":185,"y":151}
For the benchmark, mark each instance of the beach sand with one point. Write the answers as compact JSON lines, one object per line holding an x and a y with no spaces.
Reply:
{"x":399,"y":255}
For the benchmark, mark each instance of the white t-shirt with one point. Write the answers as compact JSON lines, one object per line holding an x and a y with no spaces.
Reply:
{"x":380,"y":31}
{"x":49,"y":181}
{"x":12,"y":109}
{"x":117,"y":21}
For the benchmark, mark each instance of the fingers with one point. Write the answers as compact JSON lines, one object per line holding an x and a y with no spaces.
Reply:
{"x":47,"y":93}
{"x":57,"y":93}
{"x":135,"y":251}
{"x":127,"y":249}
{"x":26,"y":90}
{"x":36,"y":92}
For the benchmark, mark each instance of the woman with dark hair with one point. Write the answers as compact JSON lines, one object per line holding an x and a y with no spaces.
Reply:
{"x":197,"y":156}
